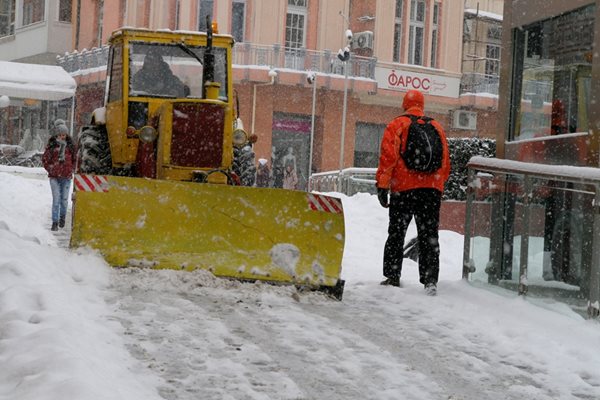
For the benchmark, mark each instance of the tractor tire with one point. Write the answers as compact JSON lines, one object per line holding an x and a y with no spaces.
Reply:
{"x":243,"y":165}
{"x":36,"y":160}
{"x":93,"y":151}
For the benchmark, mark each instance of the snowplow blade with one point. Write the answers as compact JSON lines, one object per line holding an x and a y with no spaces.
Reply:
{"x":246,"y":233}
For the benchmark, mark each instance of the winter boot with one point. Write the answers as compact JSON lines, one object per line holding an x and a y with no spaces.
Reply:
{"x":431,"y":289}
{"x":54,"y":226}
{"x":393,"y":281}
{"x":61,"y":222}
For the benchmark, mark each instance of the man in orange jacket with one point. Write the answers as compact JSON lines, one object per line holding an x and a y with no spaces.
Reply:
{"x":413,"y":193}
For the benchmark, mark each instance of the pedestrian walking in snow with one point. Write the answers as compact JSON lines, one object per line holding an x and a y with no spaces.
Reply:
{"x":414,"y":165}
{"x":59,"y":162}
{"x":263,"y":173}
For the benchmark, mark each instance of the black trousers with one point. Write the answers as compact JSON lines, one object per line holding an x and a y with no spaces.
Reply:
{"x":424,"y":205}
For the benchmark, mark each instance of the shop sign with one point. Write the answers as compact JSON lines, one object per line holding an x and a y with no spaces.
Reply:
{"x":291,"y":125}
{"x":436,"y":85}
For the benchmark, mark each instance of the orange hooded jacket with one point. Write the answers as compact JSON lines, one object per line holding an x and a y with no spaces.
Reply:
{"x":392,"y":173}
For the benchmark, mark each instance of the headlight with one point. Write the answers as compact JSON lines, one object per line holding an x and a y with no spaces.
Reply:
{"x":240,"y":137}
{"x":148,"y":134}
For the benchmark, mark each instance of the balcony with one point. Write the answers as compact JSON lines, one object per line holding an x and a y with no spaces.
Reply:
{"x":479,"y":83}
{"x":245,"y":54}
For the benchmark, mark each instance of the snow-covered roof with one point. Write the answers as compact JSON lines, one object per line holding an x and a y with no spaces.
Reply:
{"x":484,"y":14}
{"x":35,"y":81}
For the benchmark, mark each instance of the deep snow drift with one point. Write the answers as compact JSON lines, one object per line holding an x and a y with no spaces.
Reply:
{"x":73,"y":328}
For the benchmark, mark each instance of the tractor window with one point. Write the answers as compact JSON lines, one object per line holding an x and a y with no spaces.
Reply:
{"x":116,"y":74}
{"x":167,"y":70}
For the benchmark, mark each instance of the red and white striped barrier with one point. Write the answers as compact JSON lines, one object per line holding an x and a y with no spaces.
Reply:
{"x":91,"y":183}
{"x":318,"y":202}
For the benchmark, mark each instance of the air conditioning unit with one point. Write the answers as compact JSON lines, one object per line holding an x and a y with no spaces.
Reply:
{"x":363,"y":40}
{"x":463,"y":119}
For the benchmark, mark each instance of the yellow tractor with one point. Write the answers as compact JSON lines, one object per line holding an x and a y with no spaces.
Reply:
{"x":165,"y":173}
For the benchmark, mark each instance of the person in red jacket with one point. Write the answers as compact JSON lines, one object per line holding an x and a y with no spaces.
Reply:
{"x":59,"y":162}
{"x":413,"y":194}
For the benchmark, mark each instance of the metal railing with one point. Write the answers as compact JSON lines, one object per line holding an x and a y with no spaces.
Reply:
{"x":479,"y":83}
{"x":85,"y":60}
{"x":349,"y":181}
{"x":274,"y":56}
{"x":527,"y":198}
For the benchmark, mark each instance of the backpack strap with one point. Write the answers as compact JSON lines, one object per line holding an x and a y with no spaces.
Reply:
{"x":415,"y":118}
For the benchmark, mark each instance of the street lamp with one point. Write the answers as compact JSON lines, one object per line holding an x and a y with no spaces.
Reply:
{"x":311,"y":78}
{"x":344,"y":56}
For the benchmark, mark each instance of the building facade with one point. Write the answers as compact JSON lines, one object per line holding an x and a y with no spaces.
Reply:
{"x":36,"y":32}
{"x":396,"y":45}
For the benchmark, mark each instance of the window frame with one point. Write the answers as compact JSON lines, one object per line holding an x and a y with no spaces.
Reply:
{"x":202,"y":13}
{"x":64,"y":9}
{"x":416,"y":35}
{"x":435,"y":34}
{"x":298,"y":8}
{"x":234,"y":28}
{"x":397,"y":47}
{"x":492,"y":61}
{"x":32,"y":14}
{"x":10,"y":16}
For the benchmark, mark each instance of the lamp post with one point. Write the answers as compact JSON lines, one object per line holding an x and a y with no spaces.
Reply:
{"x":344,"y":56}
{"x":311,"y":78}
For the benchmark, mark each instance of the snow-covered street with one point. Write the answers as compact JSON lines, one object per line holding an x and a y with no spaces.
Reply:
{"x":72,"y":327}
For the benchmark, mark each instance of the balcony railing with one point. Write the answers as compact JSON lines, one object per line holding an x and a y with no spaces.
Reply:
{"x":547,"y":243}
{"x":349,"y":181}
{"x":479,"y":83}
{"x":246,"y":54}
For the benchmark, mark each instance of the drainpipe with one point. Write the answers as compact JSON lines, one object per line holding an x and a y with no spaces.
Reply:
{"x":78,"y":24}
{"x":100,"y":21}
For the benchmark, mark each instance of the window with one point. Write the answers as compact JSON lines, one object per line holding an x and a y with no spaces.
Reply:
{"x":494,"y":32}
{"x":416,"y":34}
{"x":64,"y":10}
{"x":33,"y":11}
{"x":7,"y":17}
{"x":168,"y":71}
{"x":398,"y":31}
{"x":492,"y":60}
{"x":238,"y":14}
{"x":295,"y":24}
{"x":435,"y":35}
{"x":115,"y":91}
{"x":206,"y":10}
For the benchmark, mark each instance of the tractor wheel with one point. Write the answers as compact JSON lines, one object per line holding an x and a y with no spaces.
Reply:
{"x":243,"y":165}
{"x":36,"y":160}
{"x":93,"y":151}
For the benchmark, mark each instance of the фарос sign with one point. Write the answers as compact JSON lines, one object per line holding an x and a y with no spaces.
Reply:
{"x":435,"y":85}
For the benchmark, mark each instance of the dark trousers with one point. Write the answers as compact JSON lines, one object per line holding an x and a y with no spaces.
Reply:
{"x":424,"y":205}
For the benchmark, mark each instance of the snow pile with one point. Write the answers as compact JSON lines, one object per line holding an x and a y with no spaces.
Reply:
{"x":73,"y":328}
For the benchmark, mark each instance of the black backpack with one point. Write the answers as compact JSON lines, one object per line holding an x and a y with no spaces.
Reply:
{"x":424,"y":148}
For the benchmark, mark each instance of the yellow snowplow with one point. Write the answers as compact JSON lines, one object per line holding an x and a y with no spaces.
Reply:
{"x":165,"y":173}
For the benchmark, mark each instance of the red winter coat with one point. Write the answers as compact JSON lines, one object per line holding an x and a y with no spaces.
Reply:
{"x":393,"y":174}
{"x":56,"y":168}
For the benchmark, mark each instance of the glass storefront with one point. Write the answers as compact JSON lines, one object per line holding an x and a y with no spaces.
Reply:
{"x":290,"y":151}
{"x":551,"y":88}
{"x":532,"y":223}
{"x":544,"y":245}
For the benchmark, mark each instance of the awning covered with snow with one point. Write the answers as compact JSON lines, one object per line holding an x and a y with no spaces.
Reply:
{"x":35,"y":81}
